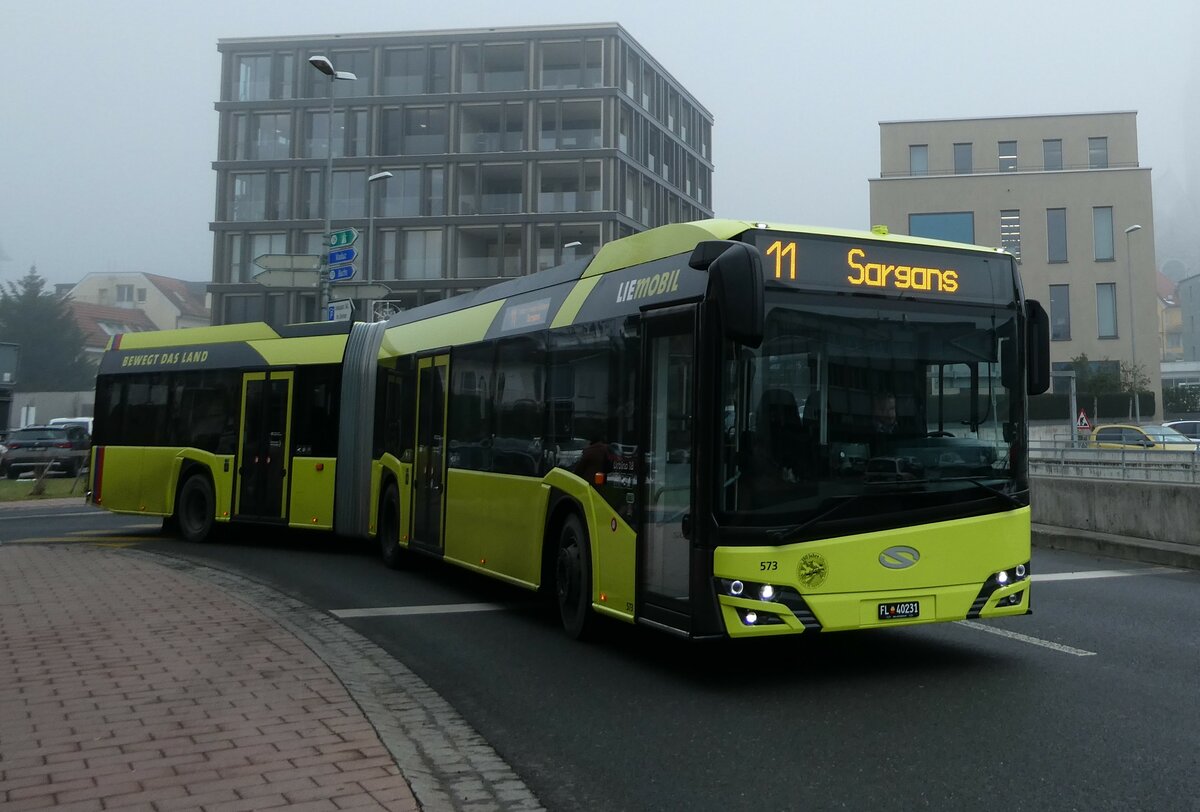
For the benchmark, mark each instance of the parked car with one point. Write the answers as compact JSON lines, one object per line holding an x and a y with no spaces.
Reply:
{"x":63,"y":448}
{"x":1149,"y":438}
{"x":1191,"y":428}
{"x":86,"y":422}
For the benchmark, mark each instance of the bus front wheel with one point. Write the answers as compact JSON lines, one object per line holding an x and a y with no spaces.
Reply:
{"x":573,"y":578}
{"x":388,"y":530}
{"x":196,"y":508}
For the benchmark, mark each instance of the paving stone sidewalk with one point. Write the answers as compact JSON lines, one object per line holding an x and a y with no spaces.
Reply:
{"x":136,"y":681}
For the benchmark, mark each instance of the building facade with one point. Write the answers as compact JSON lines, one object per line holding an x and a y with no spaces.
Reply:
{"x":506,"y":151}
{"x":1066,"y":195}
{"x":167,"y":303}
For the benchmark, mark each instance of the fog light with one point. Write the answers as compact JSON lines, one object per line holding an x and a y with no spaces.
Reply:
{"x":766,"y":592}
{"x":736,"y":588}
{"x":751,"y":618}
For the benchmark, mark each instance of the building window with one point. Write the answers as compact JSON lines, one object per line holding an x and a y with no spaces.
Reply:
{"x":918,"y":159}
{"x":241,"y":309}
{"x":1060,"y":312}
{"x":1056,"y":235}
{"x":963,"y":161}
{"x":349,"y":193}
{"x":489,"y":251}
{"x":1010,"y":232}
{"x":1102,"y":233}
{"x":271,"y":136}
{"x":956,"y":226}
{"x":248,"y":196}
{"x":569,"y":125}
{"x":569,"y":187}
{"x":1097,"y":153}
{"x":1106,"y":310}
{"x":493,"y":67}
{"x":568,"y":65}
{"x":1007,"y":153}
{"x":421,"y":254}
{"x":492,"y":127}
{"x":1052,"y":154}
{"x":424,"y":131}
{"x":404,"y":71}
{"x":124,"y":293}
{"x":141,"y":294}
{"x":253,"y":78}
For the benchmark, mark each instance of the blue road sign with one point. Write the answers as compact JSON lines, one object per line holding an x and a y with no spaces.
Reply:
{"x":341,"y":272}
{"x":344,"y":255}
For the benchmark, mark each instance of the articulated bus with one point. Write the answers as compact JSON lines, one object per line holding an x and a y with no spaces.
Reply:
{"x":719,"y":429}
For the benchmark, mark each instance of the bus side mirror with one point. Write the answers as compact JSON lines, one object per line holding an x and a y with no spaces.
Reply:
{"x":1037,"y":347}
{"x":735,"y":282}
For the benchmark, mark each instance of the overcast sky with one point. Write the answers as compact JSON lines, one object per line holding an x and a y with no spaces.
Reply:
{"x":108,"y":132}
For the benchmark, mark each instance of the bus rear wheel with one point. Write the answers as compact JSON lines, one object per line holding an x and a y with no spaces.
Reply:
{"x":388,"y":530}
{"x":573,"y":578}
{"x":196,"y":508}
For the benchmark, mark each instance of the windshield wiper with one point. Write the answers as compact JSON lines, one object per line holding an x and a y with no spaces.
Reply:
{"x":794,"y":532}
{"x":1007,"y":497}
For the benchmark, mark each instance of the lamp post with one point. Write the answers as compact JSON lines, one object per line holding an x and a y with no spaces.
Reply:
{"x":1137,"y":406}
{"x":378,"y":176}
{"x":323,"y":64}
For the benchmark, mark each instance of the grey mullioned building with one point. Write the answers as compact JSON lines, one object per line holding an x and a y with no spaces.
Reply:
{"x":510,"y":150}
{"x":1066,"y":195}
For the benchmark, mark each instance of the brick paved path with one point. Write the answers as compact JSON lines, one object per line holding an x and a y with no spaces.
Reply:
{"x":124,"y":684}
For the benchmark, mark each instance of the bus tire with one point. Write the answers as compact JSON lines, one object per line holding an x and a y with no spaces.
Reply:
{"x":388,"y":529}
{"x":196,"y":508}
{"x":573,"y":578}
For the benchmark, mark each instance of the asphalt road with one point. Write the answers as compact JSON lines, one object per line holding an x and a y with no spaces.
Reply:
{"x":1093,"y":702}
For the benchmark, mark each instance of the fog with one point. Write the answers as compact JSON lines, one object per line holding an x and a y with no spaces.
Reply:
{"x":108,"y":130}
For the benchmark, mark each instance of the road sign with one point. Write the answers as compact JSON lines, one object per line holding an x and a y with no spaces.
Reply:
{"x":289,"y":279}
{"x":339,"y":310}
{"x":341,"y":272}
{"x":343,"y":256}
{"x":362,"y":290}
{"x":340,"y":239}
{"x":1082,"y":422}
{"x":288,"y":262}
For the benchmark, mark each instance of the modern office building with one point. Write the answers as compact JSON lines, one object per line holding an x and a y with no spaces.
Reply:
{"x":1066,"y":195}
{"x":462,"y":157}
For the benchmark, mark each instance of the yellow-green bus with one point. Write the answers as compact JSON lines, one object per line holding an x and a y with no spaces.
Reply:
{"x":718,"y":429}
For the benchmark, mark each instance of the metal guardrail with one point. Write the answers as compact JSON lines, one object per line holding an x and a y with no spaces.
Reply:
{"x":1063,"y":459}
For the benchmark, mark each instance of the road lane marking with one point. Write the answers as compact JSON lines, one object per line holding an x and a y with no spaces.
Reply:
{"x":1024,"y":638}
{"x":1085,"y":576}
{"x":397,"y":611}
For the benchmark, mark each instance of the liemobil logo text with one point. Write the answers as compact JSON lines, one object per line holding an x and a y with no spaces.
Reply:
{"x":898,"y":558}
{"x":665,"y":282}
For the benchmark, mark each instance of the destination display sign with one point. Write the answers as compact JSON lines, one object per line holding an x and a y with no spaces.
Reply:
{"x":884,"y":268}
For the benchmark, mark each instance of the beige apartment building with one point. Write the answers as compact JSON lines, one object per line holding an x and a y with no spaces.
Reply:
{"x":1066,"y":195}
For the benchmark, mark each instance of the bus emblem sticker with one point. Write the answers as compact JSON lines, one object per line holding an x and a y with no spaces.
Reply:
{"x":898,"y":558}
{"x":813,"y":570}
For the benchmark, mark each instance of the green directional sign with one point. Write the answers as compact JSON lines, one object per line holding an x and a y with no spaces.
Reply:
{"x":340,"y":239}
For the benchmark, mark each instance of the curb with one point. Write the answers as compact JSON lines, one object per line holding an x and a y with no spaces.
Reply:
{"x":449,"y":766}
{"x":1149,"y":551}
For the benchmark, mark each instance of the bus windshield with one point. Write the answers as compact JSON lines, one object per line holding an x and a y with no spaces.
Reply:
{"x":861,"y":409}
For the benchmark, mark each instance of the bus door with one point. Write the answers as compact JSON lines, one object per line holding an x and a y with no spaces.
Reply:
{"x":262,"y":473}
{"x":664,"y":561}
{"x":429,"y":469}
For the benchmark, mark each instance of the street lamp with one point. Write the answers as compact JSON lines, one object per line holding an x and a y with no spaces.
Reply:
{"x":370,"y":271}
{"x":1137,"y":406}
{"x":323,"y":64}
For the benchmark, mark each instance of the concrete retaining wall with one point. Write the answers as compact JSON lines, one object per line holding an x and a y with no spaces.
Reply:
{"x":1160,"y":511}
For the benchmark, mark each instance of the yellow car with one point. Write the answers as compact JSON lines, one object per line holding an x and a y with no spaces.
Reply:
{"x":1148,"y":438}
